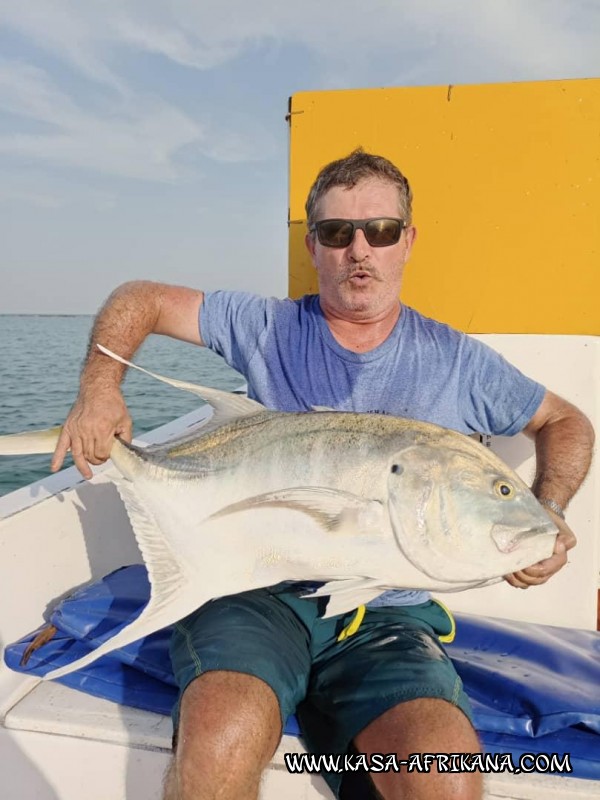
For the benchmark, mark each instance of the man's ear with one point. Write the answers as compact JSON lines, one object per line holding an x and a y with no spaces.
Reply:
{"x":309,"y":241}
{"x":411,"y":235}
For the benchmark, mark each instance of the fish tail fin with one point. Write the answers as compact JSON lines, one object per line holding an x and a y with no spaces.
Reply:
{"x":30,"y":442}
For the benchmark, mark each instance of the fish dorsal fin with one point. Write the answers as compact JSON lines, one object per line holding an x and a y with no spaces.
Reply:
{"x":226,"y":405}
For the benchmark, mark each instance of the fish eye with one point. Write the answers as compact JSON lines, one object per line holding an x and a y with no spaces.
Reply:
{"x":504,"y":490}
{"x":397,"y":469}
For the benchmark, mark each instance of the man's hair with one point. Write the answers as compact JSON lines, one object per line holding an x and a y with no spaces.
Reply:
{"x":348,"y":171}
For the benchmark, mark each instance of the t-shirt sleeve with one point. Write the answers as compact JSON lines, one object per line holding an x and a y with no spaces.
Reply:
{"x":231,"y":324}
{"x":501,"y":398}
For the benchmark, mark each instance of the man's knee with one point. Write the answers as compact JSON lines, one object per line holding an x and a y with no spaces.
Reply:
{"x":229,"y":727}
{"x":419,"y":727}
{"x":229,"y":701}
{"x":424,"y":721}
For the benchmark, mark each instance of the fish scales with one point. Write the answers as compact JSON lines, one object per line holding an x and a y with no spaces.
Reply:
{"x":344,"y":431}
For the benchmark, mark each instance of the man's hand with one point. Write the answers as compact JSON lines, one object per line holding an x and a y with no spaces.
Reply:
{"x":132,"y":312}
{"x":540,"y":572}
{"x":89,"y":430}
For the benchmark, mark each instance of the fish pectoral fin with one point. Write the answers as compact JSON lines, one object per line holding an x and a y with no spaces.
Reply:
{"x":335,"y":511}
{"x":226,"y":405}
{"x":30,"y":442}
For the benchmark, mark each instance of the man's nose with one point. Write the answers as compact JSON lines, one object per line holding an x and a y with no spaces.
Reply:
{"x":359,"y":248}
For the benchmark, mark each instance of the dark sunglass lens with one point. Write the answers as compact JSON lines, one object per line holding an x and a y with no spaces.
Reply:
{"x":335,"y":232}
{"x":383,"y":232}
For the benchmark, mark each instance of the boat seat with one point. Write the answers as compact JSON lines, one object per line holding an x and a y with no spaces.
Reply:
{"x":533,"y":688}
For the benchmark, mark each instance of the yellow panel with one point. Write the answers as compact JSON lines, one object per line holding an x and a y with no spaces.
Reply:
{"x":506,"y":180}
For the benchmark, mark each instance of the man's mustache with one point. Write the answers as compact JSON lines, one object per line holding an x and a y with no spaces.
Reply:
{"x":350,"y":272}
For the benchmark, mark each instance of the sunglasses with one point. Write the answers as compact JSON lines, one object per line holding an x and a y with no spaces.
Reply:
{"x":378,"y":231}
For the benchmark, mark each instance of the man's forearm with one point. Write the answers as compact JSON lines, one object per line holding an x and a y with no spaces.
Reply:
{"x":127,"y":317}
{"x":563,"y":457}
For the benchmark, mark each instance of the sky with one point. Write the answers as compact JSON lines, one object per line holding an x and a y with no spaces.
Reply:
{"x":147,"y":139}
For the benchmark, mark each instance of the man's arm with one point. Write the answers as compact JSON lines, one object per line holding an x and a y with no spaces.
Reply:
{"x":131,"y":313}
{"x":564,"y":439}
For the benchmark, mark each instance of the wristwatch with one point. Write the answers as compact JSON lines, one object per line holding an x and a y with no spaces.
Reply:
{"x":552,"y":505}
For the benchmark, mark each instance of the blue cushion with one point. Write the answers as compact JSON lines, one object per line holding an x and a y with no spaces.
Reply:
{"x":534,"y":688}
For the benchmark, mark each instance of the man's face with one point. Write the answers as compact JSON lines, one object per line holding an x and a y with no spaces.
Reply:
{"x":360,"y":281}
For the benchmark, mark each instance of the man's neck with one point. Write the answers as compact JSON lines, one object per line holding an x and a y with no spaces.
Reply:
{"x":362,"y":335}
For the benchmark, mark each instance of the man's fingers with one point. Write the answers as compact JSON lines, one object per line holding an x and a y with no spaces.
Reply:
{"x":77,"y":451}
{"x":126,"y":432}
{"x":90,"y":429}
{"x":565,"y":540}
{"x":539,"y":573}
{"x":523,"y":579}
{"x":515,"y":581}
{"x":557,"y":560}
{"x":105,"y":438}
{"x":101,"y":449}
{"x":64,"y":444}
{"x":61,"y":450}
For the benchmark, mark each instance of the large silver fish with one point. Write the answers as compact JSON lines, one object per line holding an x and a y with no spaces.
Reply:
{"x":362,"y":502}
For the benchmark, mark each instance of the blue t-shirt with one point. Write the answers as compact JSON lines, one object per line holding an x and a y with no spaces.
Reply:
{"x":424,"y":370}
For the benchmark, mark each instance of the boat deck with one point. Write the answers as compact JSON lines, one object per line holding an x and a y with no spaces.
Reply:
{"x":113,"y":737}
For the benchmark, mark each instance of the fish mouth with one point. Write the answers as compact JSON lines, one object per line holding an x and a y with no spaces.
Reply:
{"x":507,"y":539}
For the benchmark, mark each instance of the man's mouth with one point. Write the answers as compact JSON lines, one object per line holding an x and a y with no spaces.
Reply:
{"x":360,"y":276}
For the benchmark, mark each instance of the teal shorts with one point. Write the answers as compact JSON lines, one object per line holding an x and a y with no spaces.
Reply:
{"x":337,"y":674}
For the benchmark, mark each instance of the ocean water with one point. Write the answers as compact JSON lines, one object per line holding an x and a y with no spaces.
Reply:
{"x":40,"y":361}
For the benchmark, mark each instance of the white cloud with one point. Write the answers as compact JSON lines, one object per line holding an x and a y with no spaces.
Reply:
{"x":75,"y":34}
{"x":173,"y":43}
{"x":515,"y":35}
{"x":138,"y":137}
{"x":351,"y":43}
{"x":113,"y":89}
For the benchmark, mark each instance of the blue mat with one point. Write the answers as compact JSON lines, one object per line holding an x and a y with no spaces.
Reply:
{"x":534,"y":688}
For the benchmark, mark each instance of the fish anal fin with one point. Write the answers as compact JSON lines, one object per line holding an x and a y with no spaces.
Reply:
{"x":166,"y":573}
{"x":335,"y":511}
{"x":172,"y":592}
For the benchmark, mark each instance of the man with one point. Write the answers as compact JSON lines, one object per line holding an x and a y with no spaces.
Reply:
{"x":243,"y":663}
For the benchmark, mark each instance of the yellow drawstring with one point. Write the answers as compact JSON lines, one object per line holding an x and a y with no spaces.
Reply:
{"x":358,"y":617}
{"x":353,"y":625}
{"x":448,"y":637}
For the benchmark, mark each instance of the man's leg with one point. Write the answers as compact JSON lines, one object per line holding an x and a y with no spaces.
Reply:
{"x":389,"y":687}
{"x":229,"y":728}
{"x":242,"y":664}
{"x":426,"y":725}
